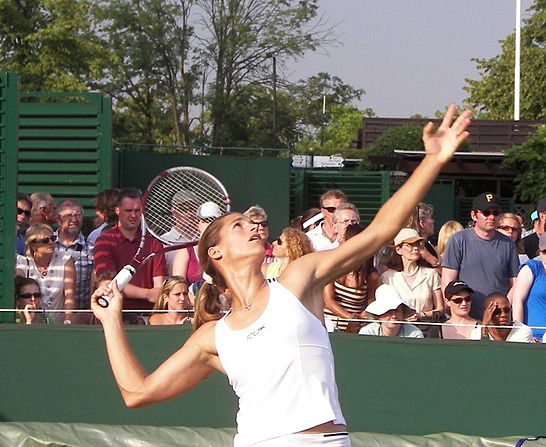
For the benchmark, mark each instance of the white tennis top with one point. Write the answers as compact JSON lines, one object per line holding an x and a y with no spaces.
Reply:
{"x":282,"y":369}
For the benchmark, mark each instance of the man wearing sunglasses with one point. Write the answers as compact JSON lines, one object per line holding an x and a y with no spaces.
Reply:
{"x":323,"y":236}
{"x":481,"y":256}
{"x":24,"y":205}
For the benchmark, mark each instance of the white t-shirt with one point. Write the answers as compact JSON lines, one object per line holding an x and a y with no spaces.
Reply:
{"x":319,"y":241}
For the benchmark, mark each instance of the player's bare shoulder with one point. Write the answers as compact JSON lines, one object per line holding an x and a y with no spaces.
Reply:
{"x":204,"y":339}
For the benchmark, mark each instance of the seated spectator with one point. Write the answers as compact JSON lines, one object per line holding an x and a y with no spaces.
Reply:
{"x":105,"y":213}
{"x":24,"y":205}
{"x":323,"y":236}
{"x":446,"y":231}
{"x":173,"y":297}
{"x":460,"y":325}
{"x":54,"y":271}
{"x":418,"y":286}
{"x":308,"y":220}
{"x":185,"y":262}
{"x":498,"y":312}
{"x":391,"y":311}
{"x":530,"y":241}
{"x":289,"y":246}
{"x":348,"y":296}
{"x":43,"y":209}
{"x":70,"y":240}
{"x":423,"y":222}
{"x":116,"y":248}
{"x":510,"y":226}
{"x":534,"y":225}
{"x":29,"y":300}
{"x":529,"y":292}
{"x":345,"y":214}
{"x":258,"y":217}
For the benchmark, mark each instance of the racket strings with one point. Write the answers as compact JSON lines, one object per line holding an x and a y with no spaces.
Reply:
{"x":173,"y":201}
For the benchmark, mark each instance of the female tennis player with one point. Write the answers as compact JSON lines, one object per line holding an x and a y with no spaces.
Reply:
{"x":272,"y":344}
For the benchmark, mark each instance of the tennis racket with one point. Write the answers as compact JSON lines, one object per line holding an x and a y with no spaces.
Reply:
{"x":172,"y":206}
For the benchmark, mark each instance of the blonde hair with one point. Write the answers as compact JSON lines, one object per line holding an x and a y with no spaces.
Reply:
{"x":519,"y":243}
{"x":448,"y":229}
{"x":297,"y":243}
{"x":32,"y":232}
{"x":255,"y":211}
{"x":166,"y":288}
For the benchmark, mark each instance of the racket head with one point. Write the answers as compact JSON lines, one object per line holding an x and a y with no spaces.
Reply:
{"x":174,"y":198}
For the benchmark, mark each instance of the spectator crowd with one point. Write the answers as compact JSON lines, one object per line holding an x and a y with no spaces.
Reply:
{"x":485,"y":281}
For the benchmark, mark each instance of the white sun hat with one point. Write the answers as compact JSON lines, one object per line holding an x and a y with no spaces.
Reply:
{"x":387,"y":298}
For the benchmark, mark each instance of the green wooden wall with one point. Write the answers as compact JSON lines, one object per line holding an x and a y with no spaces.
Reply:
{"x":386,"y":385}
{"x":8,"y":182}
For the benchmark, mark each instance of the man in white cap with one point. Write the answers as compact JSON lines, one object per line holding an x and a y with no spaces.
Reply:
{"x":190,"y":221}
{"x":391,"y":311}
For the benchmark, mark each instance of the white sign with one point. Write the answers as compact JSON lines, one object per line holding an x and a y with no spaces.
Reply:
{"x":317,"y":161}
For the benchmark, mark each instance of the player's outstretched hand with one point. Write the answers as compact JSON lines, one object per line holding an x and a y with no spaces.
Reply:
{"x":443,"y":142}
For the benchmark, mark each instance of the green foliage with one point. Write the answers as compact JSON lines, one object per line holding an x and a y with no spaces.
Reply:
{"x":407,"y":138}
{"x":529,"y":160}
{"x":493,"y":95}
{"x":243,"y":39}
{"x":51,"y":43}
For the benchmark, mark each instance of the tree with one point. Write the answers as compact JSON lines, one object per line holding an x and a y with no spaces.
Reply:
{"x":379,"y":154}
{"x":242,"y":38}
{"x":492,"y":95}
{"x":52,"y":44}
{"x":529,"y":160}
{"x":154,"y":77}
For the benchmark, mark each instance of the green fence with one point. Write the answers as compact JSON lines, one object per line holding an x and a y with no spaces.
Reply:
{"x":367,"y":190}
{"x":8,"y":180}
{"x":387,"y":385}
{"x":65,"y":145}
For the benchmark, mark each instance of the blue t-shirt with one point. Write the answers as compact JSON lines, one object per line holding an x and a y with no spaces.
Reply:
{"x":485,"y":265}
{"x":534,"y":308}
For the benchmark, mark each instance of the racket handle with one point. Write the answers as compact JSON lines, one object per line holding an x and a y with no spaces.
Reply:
{"x":122,"y":278}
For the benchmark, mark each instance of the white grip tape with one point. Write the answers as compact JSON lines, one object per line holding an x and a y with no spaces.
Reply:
{"x":122,"y":278}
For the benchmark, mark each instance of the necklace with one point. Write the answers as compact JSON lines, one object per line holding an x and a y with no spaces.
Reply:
{"x":249,"y":305}
{"x":408,"y":275}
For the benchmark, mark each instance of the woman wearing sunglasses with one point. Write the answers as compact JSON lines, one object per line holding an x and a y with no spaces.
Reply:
{"x":510,"y":226}
{"x":52,"y":270}
{"x":29,"y":300}
{"x":460,"y":325}
{"x":290,"y":245}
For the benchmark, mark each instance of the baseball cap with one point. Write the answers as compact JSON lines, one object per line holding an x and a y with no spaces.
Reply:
{"x":455,"y":287}
{"x":209,"y":211}
{"x":408,"y":235}
{"x":485,"y":201}
{"x":534,"y":216}
{"x":183,"y":196}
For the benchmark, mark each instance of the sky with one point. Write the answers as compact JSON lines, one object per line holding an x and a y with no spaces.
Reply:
{"x":410,"y":56}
